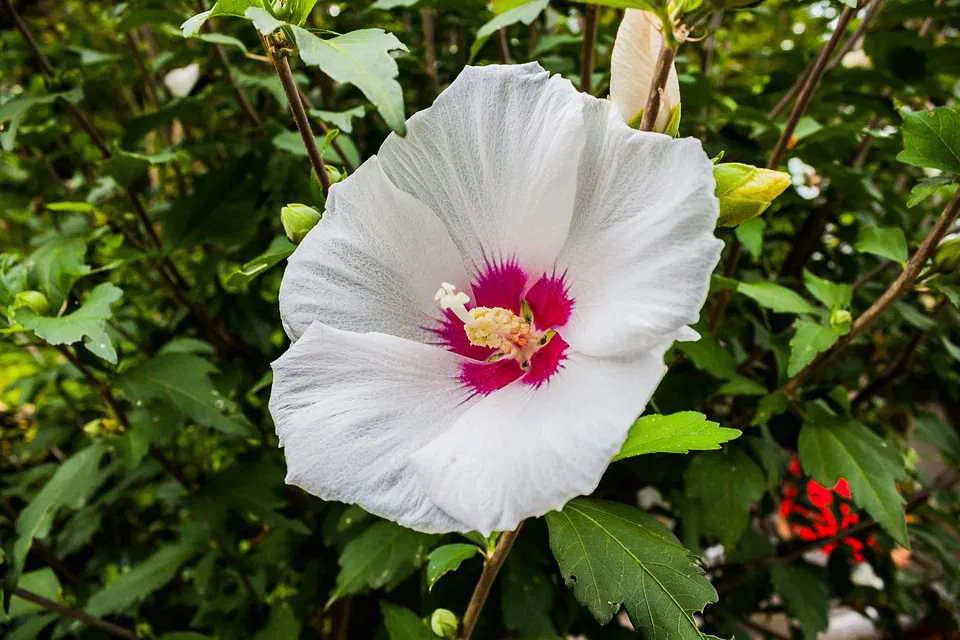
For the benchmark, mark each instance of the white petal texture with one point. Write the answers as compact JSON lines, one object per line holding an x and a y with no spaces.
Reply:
{"x":351,"y":409}
{"x":524,"y":451}
{"x":576,"y":250}
{"x":181,"y":81}
{"x":635,"y":53}
{"x":495,"y":158}
{"x":372,"y":263}
{"x":641,"y":244}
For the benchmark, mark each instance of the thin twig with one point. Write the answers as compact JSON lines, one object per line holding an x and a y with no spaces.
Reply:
{"x":337,"y":147}
{"x":67,"y":612}
{"x":809,"y":85}
{"x":491,"y":567}
{"x":504,"y":46}
{"x":590,"y":24}
{"x":926,"y":25}
{"x":661,"y":72}
{"x":238,"y":93}
{"x":873,"y":7}
{"x":282,"y":65}
{"x":899,"y":288}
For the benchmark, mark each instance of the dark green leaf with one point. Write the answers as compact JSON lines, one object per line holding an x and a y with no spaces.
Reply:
{"x":16,"y":109}
{"x":810,"y":339}
{"x":727,"y":484}
{"x":142,"y":580}
{"x":931,"y":139}
{"x":282,"y":623}
{"x":88,"y":323}
{"x":56,"y":266}
{"x":707,"y":354}
{"x":525,"y":13}
{"x":833,"y":295}
{"x":775,"y":297}
{"x":886,"y":242}
{"x":447,"y":558}
{"x":805,"y":596}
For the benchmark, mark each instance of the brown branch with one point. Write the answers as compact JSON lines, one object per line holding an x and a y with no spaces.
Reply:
{"x":282,"y":65}
{"x":873,"y":8}
{"x":866,"y":277}
{"x":74,"y":614}
{"x":590,"y":24}
{"x":661,"y":72}
{"x":899,"y":288}
{"x":504,"y":46}
{"x":238,"y":93}
{"x":337,"y":147}
{"x":430,"y":48}
{"x":809,"y":86}
{"x":491,"y":567}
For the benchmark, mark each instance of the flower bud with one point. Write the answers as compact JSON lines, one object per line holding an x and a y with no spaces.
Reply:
{"x":297,"y":221}
{"x":444,"y":624}
{"x":840,"y":321}
{"x":746,"y":191}
{"x":33,"y":300}
{"x":635,"y":53}
{"x":946,"y":259}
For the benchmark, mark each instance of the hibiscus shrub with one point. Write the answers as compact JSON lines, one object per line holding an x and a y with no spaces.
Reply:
{"x":165,"y":165}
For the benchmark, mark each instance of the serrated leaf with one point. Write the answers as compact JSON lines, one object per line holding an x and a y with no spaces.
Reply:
{"x":707,"y":355}
{"x":931,"y":139}
{"x":804,"y":595}
{"x":361,"y":58}
{"x":447,"y":558}
{"x":886,"y":242}
{"x":810,"y":339}
{"x":775,"y":297}
{"x":403,"y":624}
{"x":140,"y":581}
{"x":56,"y":266}
{"x":183,"y":381}
{"x":526,"y":597}
{"x":525,"y":13}
{"x":88,"y":323}
{"x":833,"y":295}
{"x":613,"y":554}
{"x":676,"y":433}
{"x":383,"y":556}
{"x":16,"y":109}
{"x":69,"y":487}
{"x":728,"y":485}
{"x":835,"y":448}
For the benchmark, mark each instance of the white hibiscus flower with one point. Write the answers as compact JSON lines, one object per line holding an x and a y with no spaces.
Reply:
{"x":483,"y":310}
{"x":634,"y":59}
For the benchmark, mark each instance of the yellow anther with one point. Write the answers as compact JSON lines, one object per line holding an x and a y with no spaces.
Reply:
{"x":498,"y":328}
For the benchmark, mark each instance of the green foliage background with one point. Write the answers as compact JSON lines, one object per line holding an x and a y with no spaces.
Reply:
{"x":141,"y":481}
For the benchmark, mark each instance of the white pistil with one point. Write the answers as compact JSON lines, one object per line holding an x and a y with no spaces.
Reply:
{"x":449,"y":298}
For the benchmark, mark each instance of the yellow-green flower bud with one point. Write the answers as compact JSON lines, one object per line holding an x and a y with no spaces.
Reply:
{"x":746,"y":191}
{"x":297,"y":221}
{"x":33,"y":300}
{"x":841,"y":320}
{"x":444,"y":624}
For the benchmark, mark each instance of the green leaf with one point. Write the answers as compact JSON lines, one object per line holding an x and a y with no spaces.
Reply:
{"x":403,"y":624}
{"x":677,"y":433}
{"x":525,"y":13}
{"x":886,"y":242}
{"x":750,"y":235}
{"x":88,"y":323}
{"x":804,"y":595}
{"x":56,"y":266}
{"x":746,"y":191}
{"x":342,"y":120}
{"x":526,"y":598}
{"x":361,"y":58}
{"x":810,"y":339}
{"x":929,"y":428}
{"x":16,"y":109}
{"x":728,"y":485}
{"x":297,"y":11}
{"x":383,"y":556}
{"x":931,"y":139}
{"x":127,"y":166}
{"x":768,"y":407}
{"x":191,"y":28}
{"x":183,"y":381}
{"x":279,"y":250}
{"x":42,"y":582}
{"x":775,"y":297}
{"x":613,"y":554}
{"x":836,"y":448}
{"x":707,"y":355}
{"x":263,"y":20}
{"x":741,"y":386}
{"x":142,"y":580}
{"x":282,"y":623}
{"x":833,"y":295}
{"x":926,"y":188}
{"x":69,"y":487}
{"x":447,"y":558}
{"x":386,"y":5}
{"x":234,"y":7}
{"x":625,"y":4}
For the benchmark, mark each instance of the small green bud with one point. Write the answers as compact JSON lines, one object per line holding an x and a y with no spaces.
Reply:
{"x":297,"y":221}
{"x":841,"y":320}
{"x":947,"y":257}
{"x":444,"y":624}
{"x":33,"y":300}
{"x":746,"y":191}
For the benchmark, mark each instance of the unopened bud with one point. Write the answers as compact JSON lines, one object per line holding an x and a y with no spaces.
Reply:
{"x":746,"y":191}
{"x":946,"y":259}
{"x":444,"y":624}
{"x":33,"y":300}
{"x":297,"y":221}
{"x":841,"y":320}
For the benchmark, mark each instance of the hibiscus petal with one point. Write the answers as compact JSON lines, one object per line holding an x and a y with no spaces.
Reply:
{"x":373,"y":263}
{"x":495,"y":157}
{"x":635,"y":53}
{"x":523,"y":451}
{"x":641,"y":245}
{"x":350,"y":409}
